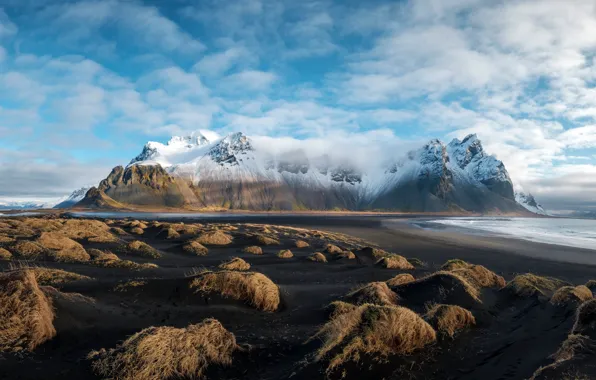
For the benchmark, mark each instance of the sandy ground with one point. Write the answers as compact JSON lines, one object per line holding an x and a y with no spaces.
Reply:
{"x":511,"y":340}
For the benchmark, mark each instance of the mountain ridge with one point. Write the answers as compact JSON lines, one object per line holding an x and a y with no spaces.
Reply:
{"x":231,"y":172}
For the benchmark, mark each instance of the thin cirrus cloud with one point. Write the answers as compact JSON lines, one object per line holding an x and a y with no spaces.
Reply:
{"x":116,"y":73}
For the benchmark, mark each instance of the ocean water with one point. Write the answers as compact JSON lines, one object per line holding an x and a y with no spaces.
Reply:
{"x":579,"y":233}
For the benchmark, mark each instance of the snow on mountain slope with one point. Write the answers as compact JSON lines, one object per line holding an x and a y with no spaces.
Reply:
{"x":73,"y":198}
{"x":469,"y":156}
{"x":230,"y":170}
{"x":529,"y":203}
{"x":177,"y":150}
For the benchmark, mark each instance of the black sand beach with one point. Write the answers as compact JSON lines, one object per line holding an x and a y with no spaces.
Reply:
{"x":512,"y":337}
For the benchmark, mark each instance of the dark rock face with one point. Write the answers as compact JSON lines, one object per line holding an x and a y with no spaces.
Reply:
{"x":347,"y":175}
{"x":96,"y":198}
{"x":153,"y":176}
{"x":142,"y":185}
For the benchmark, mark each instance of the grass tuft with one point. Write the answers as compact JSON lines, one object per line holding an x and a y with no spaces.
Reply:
{"x":527,"y":285}
{"x":26,"y":314}
{"x":448,"y":319}
{"x":253,"y":249}
{"x":167,"y":352}
{"x":400,"y":279}
{"x":571,"y":295}
{"x":253,"y":288}
{"x":393,"y":261}
{"x":236,"y":263}
{"x":317,"y":257}
{"x":377,"y":293}
{"x":214,"y":238}
{"x":195,"y":248}
{"x":477,"y":275}
{"x":142,"y":249}
{"x":301,"y":244}
{"x":372,"y":330}
{"x":285,"y":254}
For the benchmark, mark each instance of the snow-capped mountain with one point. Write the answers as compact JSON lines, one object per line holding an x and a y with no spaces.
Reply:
{"x":234,"y":171}
{"x":529,"y":203}
{"x":178,"y":149}
{"x":75,"y":197}
{"x":24,"y":204}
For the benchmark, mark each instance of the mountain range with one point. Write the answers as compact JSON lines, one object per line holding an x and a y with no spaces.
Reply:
{"x":204,"y":170}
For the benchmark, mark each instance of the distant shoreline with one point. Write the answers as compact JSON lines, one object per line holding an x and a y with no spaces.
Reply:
{"x":276,"y":213}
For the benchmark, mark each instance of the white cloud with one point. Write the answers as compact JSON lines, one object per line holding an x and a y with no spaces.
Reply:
{"x":219,"y":63}
{"x":248,"y":80}
{"x":581,"y":137}
{"x":83,"y":23}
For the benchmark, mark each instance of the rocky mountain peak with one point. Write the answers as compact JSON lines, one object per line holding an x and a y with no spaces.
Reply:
{"x":463,"y":152}
{"x":230,"y":149}
{"x":529,"y":202}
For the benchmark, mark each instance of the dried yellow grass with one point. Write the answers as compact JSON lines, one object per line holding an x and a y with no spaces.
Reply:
{"x":393,"y":261}
{"x":118,"y":231}
{"x":373,"y":331}
{"x":142,"y":249}
{"x":55,"y":277}
{"x":377,"y":293}
{"x":99,"y":255}
{"x":137,"y":231}
{"x":339,"y":307}
{"x":574,"y":347}
{"x":448,"y":319}
{"x":29,"y":250}
{"x":416,"y":262}
{"x":264,"y":240}
{"x":158,"y":353}
{"x":458,"y":280}
{"x":168,"y":233}
{"x":5,"y":254}
{"x":253,"y":249}
{"x":214,"y":238}
{"x":285,"y":254}
{"x":253,"y":288}
{"x":125,"y":286}
{"x":400,"y":279}
{"x":527,"y":285}
{"x":376,"y":253}
{"x":6,"y":239}
{"x":43,"y":224}
{"x":330,"y":248}
{"x":301,"y":244}
{"x":571,"y":294}
{"x":137,"y":224}
{"x":317,"y":257}
{"x":93,"y":230}
{"x":454,"y":264}
{"x":60,"y":298}
{"x":236,"y":263}
{"x":476,"y":275}
{"x":63,"y":249}
{"x":344,"y":255}
{"x":195,"y":248}
{"x":107,"y":259}
{"x":26,"y":314}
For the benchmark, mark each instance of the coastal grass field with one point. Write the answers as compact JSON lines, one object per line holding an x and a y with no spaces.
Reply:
{"x":274,"y":297}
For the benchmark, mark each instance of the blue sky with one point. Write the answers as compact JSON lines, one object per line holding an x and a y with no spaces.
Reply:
{"x":86,"y":83}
